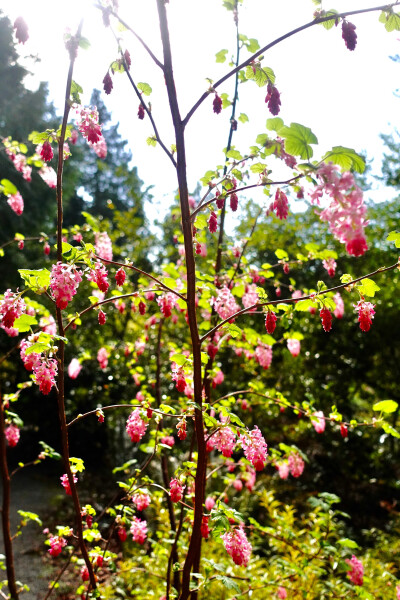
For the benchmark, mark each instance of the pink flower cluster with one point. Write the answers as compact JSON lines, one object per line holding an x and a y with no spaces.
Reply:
{"x":255,"y":448}
{"x":135,"y":426}
{"x":65,"y":483}
{"x":237,"y":546}
{"x":16,"y":202}
{"x":19,"y":161}
{"x":102,"y":357}
{"x":99,"y":275}
{"x":293,"y":346}
{"x":64,"y":282}
{"x":225,"y":304}
{"x":176,"y":490}
{"x":346,"y":213}
{"x":263,"y":355}
{"x":339,"y":310}
{"x":366,"y":311}
{"x":11,"y":307}
{"x":103,"y":245}
{"x":88,"y":123}
{"x":250,"y":297}
{"x":138,"y":530}
{"x":223,"y":440}
{"x":48,"y":175}
{"x":44,"y":374}
{"x":141,"y":500}
{"x":57,"y":543}
{"x":330,"y":265}
{"x":318,"y":421}
{"x":296,"y":464}
{"x":12,"y":434}
{"x":280,"y":205}
{"x":356,"y":572}
{"x":167,"y":302}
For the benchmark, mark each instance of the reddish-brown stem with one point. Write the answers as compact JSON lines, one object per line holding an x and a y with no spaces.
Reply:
{"x":244,"y":247}
{"x":291,"y":300}
{"x":61,"y":346}
{"x":5,"y":511}
{"x":195,"y":539}
{"x":244,"y":64}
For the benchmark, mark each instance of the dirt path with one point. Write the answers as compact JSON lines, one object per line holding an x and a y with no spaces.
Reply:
{"x":33,"y":492}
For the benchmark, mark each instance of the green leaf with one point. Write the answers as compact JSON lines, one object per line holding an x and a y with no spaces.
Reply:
{"x":151,"y":141}
{"x":258,"y":168}
{"x":200,"y":221}
{"x":329,"y":24}
{"x":84,"y":43}
{"x":220,"y":56}
{"x":8,"y":187}
{"x":77,"y":465}
{"x":30,"y":516}
{"x":38,"y":280}
{"x":304,"y":305}
{"x":346,"y":158}
{"x":179,"y":359}
{"x":233,"y":330}
{"x":117,"y":66}
{"x":347,"y":543}
{"x":145,"y":88}
{"x":229,"y":583}
{"x":76,"y":90}
{"x":167,"y":409}
{"x":390,"y":430}
{"x":391,"y":21}
{"x":385,"y":406}
{"x":252,"y":45}
{"x":38,"y":348}
{"x":243,"y":118}
{"x":275,"y":124}
{"x":298,"y":139}
{"x":394,"y":236}
{"x":279,"y":253}
{"x":24,"y":322}
{"x":262,"y":139}
{"x":368,"y":287}
{"x":234,"y":154}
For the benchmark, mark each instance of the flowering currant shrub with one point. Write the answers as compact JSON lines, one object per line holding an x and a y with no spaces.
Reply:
{"x":193,"y":355}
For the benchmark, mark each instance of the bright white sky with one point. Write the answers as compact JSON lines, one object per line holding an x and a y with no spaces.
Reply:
{"x":345,"y":97}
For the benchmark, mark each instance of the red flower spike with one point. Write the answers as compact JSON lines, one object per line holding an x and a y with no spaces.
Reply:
{"x":107,"y":83}
{"x":220,"y":202}
{"x":21,"y":30}
{"x":141,"y":113}
{"x":344,"y":430}
{"x":127,"y":58}
{"x":326,"y":318}
{"x":46,"y":249}
{"x":21,"y":245}
{"x":233,"y":199}
{"x":46,"y":152}
{"x":349,"y":35}
{"x":286,"y":268}
{"x":270,"y":321}
{"x":273,"y":99}
{"x":213,"y":222}
{"x":142,"y":307}
{"x":217,"y":104}
{"x":120,"y":276}
{"x":102,"y":317}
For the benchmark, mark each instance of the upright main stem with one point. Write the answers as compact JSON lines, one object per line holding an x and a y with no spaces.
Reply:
{"x":195,"y":540}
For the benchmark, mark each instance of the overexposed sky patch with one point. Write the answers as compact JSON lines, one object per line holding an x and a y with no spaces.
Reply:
{"x":345,"y":97}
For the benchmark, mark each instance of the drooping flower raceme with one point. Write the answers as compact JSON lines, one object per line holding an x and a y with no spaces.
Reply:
{"x":74,"y":368}
{"x":103,"y":245}
{"x":346,"y":213}
{"x":57,"y":543}
{"x":296,"y":464}
{"x":339,"y":310}
{"x":366,"y":311}
{"x":16,"y":202}
{"x":255,"y":448}
{"x":12,"y":306}
{"x":102,"y":357}
{"x":45,"y":373}
{"x":237,"y":546}
{"x":318,"y":421}
{"x":99,"y":275}
{"x":225,"y":441}
{"x":263,"y":355}
{"x":64,"y":282}
{"x":141,"y":500}
{"x":135,"y":426}
{"x":356,"y":572}
{"x":12,"y":434}
{"x":225,"y":304}
{"x":138,"y":530}
{"x":48,"y":175}
{"x":88,"y":123}
{"x":65,"y":483}
{"x":176,"y":490}
{"x":293,"y":346}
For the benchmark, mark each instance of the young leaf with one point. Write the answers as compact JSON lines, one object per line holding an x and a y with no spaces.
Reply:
{"x":368,"y":287}
{"x":145,"y":88}
{"x":394,"y":236}
{"x":346,"y":158}
{"x":220,"y":56}
{"x":298,"y":139}
{"x":386,"y":406}
{"x":24,"y":322}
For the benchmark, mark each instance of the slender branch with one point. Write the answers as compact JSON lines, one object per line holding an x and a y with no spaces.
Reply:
{"x":291,"y":300}
{"x":131,"y":406}
{"x":245,"y":246}
{"x":130,"y":266}
{"x":5,"y":512}
{"x":277,"y":41}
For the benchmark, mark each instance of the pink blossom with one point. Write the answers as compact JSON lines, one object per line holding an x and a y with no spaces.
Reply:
{"x":263,"y":355}
{"x":168,"y":440}
{"x":12,"y":434}
{"x":135,"y":426}
{"x":225,"y":441}
{"x":273,"y":99}
{"x":167,"y":302}
{"x":100,"y":147}
{"x":330,"y":265}
{"x":283,"y":469}
{"x":326,"y":318}
{"x":103,"y":245}
{"x":16,"y":202}
{"x":178,"y":376}
{"x":225,"y":304}
{"x":11,"y":307}
{"x":120,"y":277}
{"x":237,"y":546}
{"x":48,"y":175}
{"x":281,"y":593}
{"x":296,"y":464}
{"x":44,"y":374}
{"x":212,"y":222}
{"x":138,"y":530}
{"x":102,"y":357}
{"x":21,"y":30}
{"x":209,"y":503}
{"x":339,"y":310}
{"x":65,"y":483}
{"x":398,"y":592}
{"x":251,"y":296}
{"x":181,"y":429}
{"x":88,"y":123}
{"x":318,"y":421}
{"x":238,"y":485}
{"x":99,"y":275}
{"x":249,"y":478}
{"x":204,"y":528}
{"x":280,"y":205}
{"x":293,"y":346}
{"x":45,"y":150}
{"x":30,"y":360}
{"x":365,"y":314}
{"x":218,"y":379}
{"x":57,"y":543}
{"x":356,"y":572}
{"x":176,"y":490}
{"x":141,"y":500}
{"x":64,"y":282}
{"x":255,"y":448}
{"x":74,"y":368}
{"x":48,"y":325}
